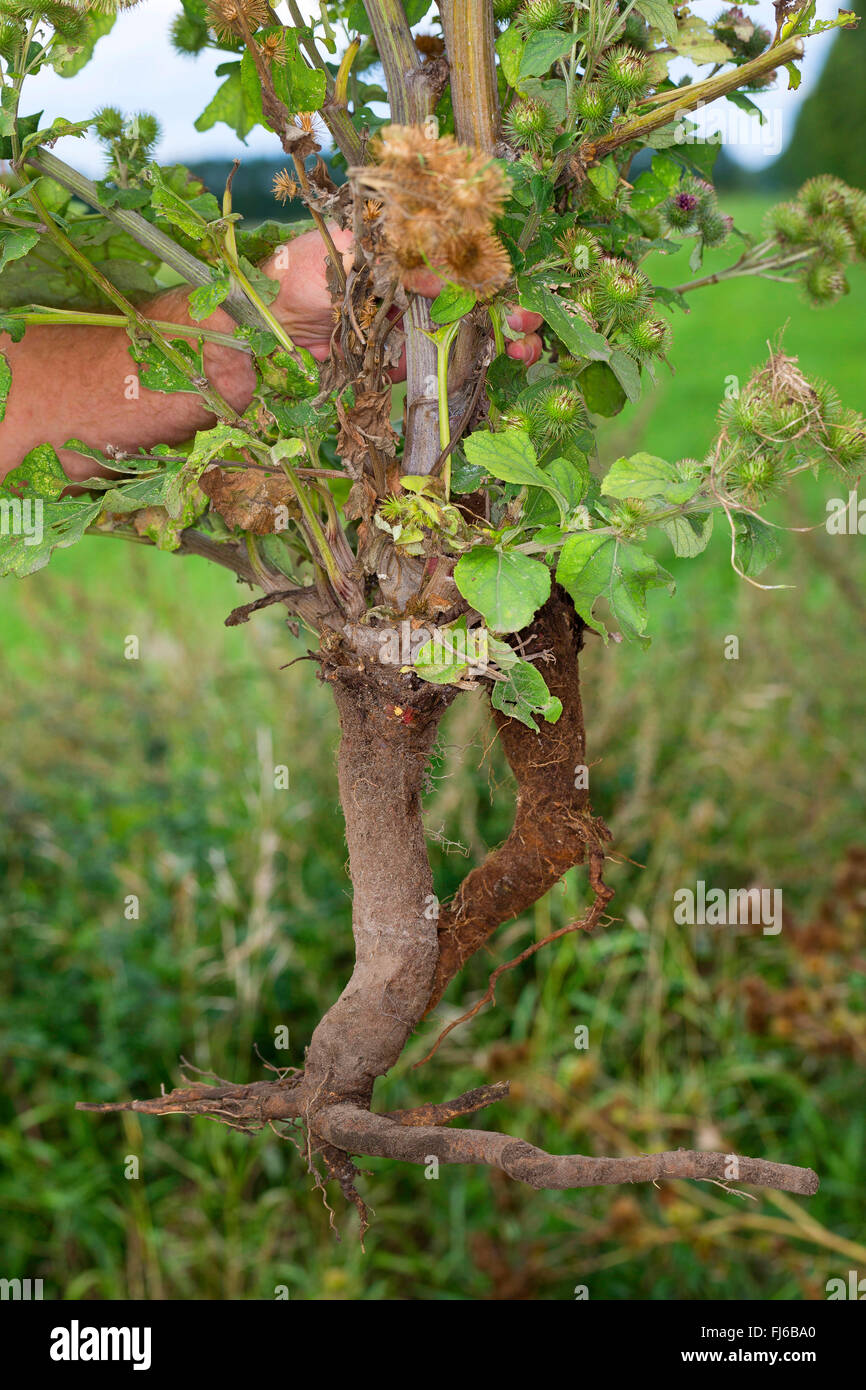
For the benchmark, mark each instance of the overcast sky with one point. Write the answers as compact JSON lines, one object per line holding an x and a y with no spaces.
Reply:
{"x":136,"y":69}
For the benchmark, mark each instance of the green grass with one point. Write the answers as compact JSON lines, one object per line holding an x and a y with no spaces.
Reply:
{"x":154,"y":778}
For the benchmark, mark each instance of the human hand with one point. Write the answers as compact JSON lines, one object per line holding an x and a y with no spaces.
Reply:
{"x":303,"y":303}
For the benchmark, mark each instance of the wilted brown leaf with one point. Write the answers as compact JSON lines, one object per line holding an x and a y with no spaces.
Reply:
{"x":367,"y":422}
{"x":250,"y":499}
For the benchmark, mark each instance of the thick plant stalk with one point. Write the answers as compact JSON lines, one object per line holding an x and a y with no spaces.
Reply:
{"x":469,"y":35}
{"x":411,"y":102}
{"x":387,"y":735}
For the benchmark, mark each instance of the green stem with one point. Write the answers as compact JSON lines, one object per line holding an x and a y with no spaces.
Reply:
{"x":746,"y":266}
{"x":315,"y":527}
{"x":701,"y":503}
{"x":273,"y":323}
{"x":91,"y":320}
{"x":333,"y":111}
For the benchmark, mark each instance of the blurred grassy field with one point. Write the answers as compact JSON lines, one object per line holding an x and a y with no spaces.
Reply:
{"x":155,"y":777}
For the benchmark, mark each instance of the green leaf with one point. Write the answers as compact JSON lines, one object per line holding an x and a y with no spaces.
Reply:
{"x":299,"y":87}
{"x":59,"y":127}
{"x":55,"y":525}
{"x":552,"y":511}
{"x":660,"y":14}
{"x":160,"y":374}
{"x":452,"y":303}
{"x":15,"y":243}
{"x":209,"y":443}
{"x":604,"y":177}
{"x":236,"y":105}
{"x":845,"y":19}
{"x":542,"y":49}
{"x":207,"y":298}
{"x":746,"y":104}
{"x":655,"y":184}
{"x":16,"y":328}
{"x":69,"y":58}
{"x":552,"y":93}
{"x":509,"y":46}
{"x":627,"y":374}
{"x":8,"y":103}
{"x":26,"y":126}
{"x":601,"y":389}
{"x":142,"y":492}
{"x":755,"y":544}
{"x":644,"y":475}
{"x":266,"y":288}
{"x":524,"y":693}
{"x":506,"y":587}
{"x":697,"y":41}
{"x":593,"y":566}
{"x":441,"y":661}
{"x":276,"y":552}
{"x":5,"y":383}
{"x":174,"y":208}
{"x":648,"y":192}
{"x":571,"y":478}
{"x":510,"y":457}
{"x":689,"y":534}
{"x":117,"y":466}
{"x":563,"y":319}
{"x":465,"y":477}
{"x":111,"y":196}
{"x":39,"y":474}
{"x":238,"y":102}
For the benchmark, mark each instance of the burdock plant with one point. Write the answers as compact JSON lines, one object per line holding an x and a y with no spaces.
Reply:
{"x":474,"y":495}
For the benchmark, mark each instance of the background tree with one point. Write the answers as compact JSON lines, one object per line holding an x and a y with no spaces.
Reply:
{"x":461,"y":518}
{"x":837,"y":103}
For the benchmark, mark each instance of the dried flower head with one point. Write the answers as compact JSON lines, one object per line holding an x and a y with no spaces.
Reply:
{"x":233,"y":19}
{"x":285,"y":187}
{"x":273,"y":47}
{"x":477,"y":260}
{"x":438,"y":200}
{"x":368,"y":312}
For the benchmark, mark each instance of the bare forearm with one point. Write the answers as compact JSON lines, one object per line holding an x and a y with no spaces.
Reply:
{"x":81,"y":382}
